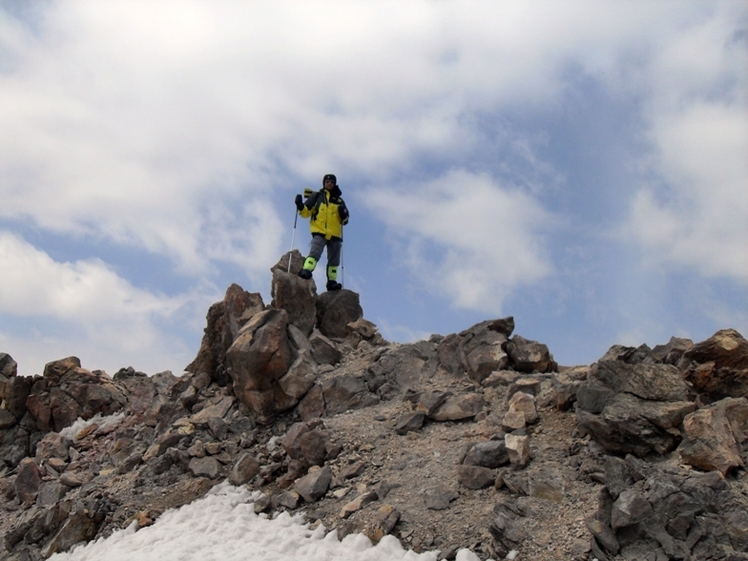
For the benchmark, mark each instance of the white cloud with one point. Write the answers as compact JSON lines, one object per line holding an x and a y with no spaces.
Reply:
{"x":487,"y":238}
{"x":696,"y":215}
{"x":84,"y":308}
{"x":170,"y":128}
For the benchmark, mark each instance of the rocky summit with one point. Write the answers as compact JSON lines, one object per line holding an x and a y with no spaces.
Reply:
{"x":475,"y":439}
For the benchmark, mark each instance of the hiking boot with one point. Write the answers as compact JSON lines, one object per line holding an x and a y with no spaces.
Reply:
{"x":305,"y":274}
{"x":333,"y":285}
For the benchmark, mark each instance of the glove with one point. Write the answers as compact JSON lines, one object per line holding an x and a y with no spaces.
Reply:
{"x":299,"y":204}
{"x":343,"y":213}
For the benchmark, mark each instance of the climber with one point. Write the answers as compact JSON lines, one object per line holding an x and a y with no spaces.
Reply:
{"x":328,"y":216}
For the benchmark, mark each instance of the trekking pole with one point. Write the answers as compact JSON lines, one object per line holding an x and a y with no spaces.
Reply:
{"x":293,"y":240}
{"x":342,"y":259}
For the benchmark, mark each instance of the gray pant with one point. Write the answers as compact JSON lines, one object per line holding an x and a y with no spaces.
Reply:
{"x":334,"y":246}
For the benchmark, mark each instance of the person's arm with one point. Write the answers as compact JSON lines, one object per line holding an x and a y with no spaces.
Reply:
{"x":343,"y":212}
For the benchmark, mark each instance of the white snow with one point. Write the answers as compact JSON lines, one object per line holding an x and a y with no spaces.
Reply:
{"x":75,"y":429}
{"x":223,"y":526}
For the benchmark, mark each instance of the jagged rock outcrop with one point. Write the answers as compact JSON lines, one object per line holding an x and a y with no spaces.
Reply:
{"x":648,"y":512}
{"x":225,"y":318}
{"x":716,"y":368}
{"x":476,"y":439}
{"x":634,"y":408}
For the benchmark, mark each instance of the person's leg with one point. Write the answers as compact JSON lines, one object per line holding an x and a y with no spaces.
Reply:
{"x":334,"y":247}
{"x":315,"y":252}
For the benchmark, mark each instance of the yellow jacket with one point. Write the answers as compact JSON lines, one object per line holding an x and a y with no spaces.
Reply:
{"x":327,"y":211}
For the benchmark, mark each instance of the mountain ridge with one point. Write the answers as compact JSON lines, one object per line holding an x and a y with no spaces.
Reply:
{"x":474,"y":440}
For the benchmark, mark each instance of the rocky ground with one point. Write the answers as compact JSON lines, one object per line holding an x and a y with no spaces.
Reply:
{"x":475,"y":440}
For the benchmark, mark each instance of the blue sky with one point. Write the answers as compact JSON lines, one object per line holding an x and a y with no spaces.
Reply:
{"x":580,"y":165}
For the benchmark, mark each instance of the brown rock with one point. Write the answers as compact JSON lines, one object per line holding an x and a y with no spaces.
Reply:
{"x":28,"y":480}
{"x":530,"y":356}
{"x":224,"y":319}
{"x":714,"y":436}
{"x":245,"y":469}
{"x":475,"y":477}
{"x":258,"y":358}
{"x":294,"y":295}
{"x":718,"y":366}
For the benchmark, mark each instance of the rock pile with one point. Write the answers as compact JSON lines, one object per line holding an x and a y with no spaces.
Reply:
{"x":475,"y":439}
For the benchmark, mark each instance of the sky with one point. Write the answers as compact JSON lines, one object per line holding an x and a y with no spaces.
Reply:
{"x":223,"y":526}
{"x":579,"y":165}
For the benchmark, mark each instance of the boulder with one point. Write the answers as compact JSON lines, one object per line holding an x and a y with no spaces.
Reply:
{"x":293,"y":294}
{"x":307,"y":443}
{"x":634,"y":408}
{"x":68,"y":392}
{"x":16,"y":391}
{"x":335,"y":310}
{"x":259,"y":356}
{"x":300,"y":377}
{"x":490,"y":454}
{"x":244,"y":470}
{"x":518,"y":448}
{"x":477,"y":350}
{"x":404,"y":367}
{"x":524,"y":403}
{"x":628,"y":424}
{"x":718,"y":367}
{"x":716,"y":436}
{"x":315,"y":484}
{"x":28,"y":480}
{"x":206,"y":466}
{"x":459,"y":408}
{"x":8,"y":368}
{"x":224,"y":319}
{"x":475,"y":477}
{"x":530,"y":356}
{"x":323,"y":350}
{"x":410,"y":421}
{"x":668,"y":515}
{"x":672,"y":352}
{"x":342,"y":393}
{"x":483,"y":353}
{"x":78,"y":527}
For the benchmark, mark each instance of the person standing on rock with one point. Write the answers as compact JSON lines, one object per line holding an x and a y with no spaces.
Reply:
{"x":328,"y":214}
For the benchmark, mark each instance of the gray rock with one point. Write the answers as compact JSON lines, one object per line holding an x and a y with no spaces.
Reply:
{"x":78,"y":527}
{"x":50,"y":493}
{"x":335,"y":310}
{"x":490,"y":454}
{"x":306,"y":444}
{"x":458,"y":408}
{"x":28,"y":480}
{"x":440,"y":498}
{"x":342,"y":393}
{"x":205,"y":467}
{"x":475,"y":477}
{"x":245,"y":469}
{"x":530,"y":356}
{"x":300,"y":376}
{"x":314,"y":485}
{"x":507,"y":535}
{"x":323,"y":350}
{"x":631,"y":507}
{"x":410,"y":421}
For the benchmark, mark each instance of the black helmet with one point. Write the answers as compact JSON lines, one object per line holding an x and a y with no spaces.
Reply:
{"x":330,"y":176}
